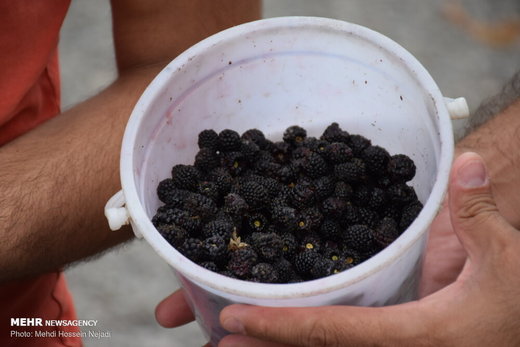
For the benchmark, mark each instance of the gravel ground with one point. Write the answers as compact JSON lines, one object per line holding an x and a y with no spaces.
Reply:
{"x":121,"y":288}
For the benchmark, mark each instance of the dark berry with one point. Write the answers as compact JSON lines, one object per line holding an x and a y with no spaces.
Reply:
{"x":353,"y":171}
{"x":376,"y":160}
{"x":330,"y":229}
{"x":192,"y":249}
{"x":338,"y":152}
{"x":257,"y":137}
{"x":386,"y":231}
{"x":257,"y":222}
{"x":215,"y":248}
{"x":401,"y":168}
{"x":358,"y":143}
{"x":219,"y":228}
{"x":228,"y":141}
{"x":264,"y":273}
{"x":170,"y":194}
{"x":322,"y":268}
{"x":200,"y":205}
{"x":304,"y":261}
{"x":241,"y":261}
{"x":333,"y":133}
{"x":294,"y":135}
{"x":255,"y":194}
{"x":268,"y":246}
{"x":323,"y":187}
{"x":333,"y":207}
{"x":208,"y":139}
{"x":409,"y":213}
{"x":289,"y":245}
{"x":301,"y":195}
{"x":235,"y":204}
{"x":401,"y":194}
{"x":359,"y":237}
{"x":314,"y":165}
{"x":172,"y":233}
{"x":185,"y":177}
{"x":206,"y":159}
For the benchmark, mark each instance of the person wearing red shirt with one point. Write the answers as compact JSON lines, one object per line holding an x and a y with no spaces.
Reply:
{"x":58,"y":169}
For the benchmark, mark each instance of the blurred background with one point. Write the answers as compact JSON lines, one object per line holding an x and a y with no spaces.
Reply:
{"x":470,"y":47}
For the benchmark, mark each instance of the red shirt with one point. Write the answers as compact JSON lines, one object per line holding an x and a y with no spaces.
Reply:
{"x":29,"y":95}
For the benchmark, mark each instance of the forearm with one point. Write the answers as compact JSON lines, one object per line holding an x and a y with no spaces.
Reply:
{"x":56,"y":179}
{"x":498,"y":141}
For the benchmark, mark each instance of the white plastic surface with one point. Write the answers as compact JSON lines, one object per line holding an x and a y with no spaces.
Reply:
{"x":115,"y":212}
{"x":458,"y":108}
{"x":271,"y":74}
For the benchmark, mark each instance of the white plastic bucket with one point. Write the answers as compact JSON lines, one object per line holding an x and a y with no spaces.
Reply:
{"x":271,"y":74}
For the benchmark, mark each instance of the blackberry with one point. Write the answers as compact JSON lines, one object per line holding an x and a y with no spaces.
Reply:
{"x":209,"y":265}
{"x":208,"y":139}
{"x":358,"y":143}
{"x":377,"y":199}
{"x":227,"y":273}
{"x":309,"y":219}
{"x":185,"y":177}
{"x":257,"y":137}
{"x":234,"y":162}
{"x":338,"y":152}
{"x":386,"y":231}
{"x":268,"y":246}
{"x":285,"y":173}
{"x":249,"y":150}
{"x":235,"y":205}
{"x":353,"y":171}
{"x":172,"y":233}
{"x":376,"y":160}
{"x":301,"y":152}
{"x":264,"y":273}
{"x":333,"y":207}
{"x":334,"y":254}
{"x":206,"y":159}
{"x":218,"y":228}
{"x":255,"y":194}
{"x":323,"y":187}
{"x":343,"y":190}
{"x":330,"y":229}
{"x":322,"y":268}
{"x":257,"y":222}
{"x":170,"y":194}
{"x":192,"y":249}
{"x":362,"y":195}
{"x":359,"y":237}
{"x":294,"y":135}
{"x":333,"y":133}
{"x":289,"y":245}
{"x":391,"y":211}
{"x":210,"y":190}
{"x":284,"y":217}
{"x":285,"y":270}
{"x":228,"y":141}
{"x":222,"y":179}
{"x":215,"y":248}
{"x":401,"y":194}
{"x":241,"y":261}
{"x":301,"y":195}
{"x":351,"y":257}
{"x":304,"y":261}
{"x":183,"y":219}
{"x":409,"y":213}
{"x":401,"y":168}
{"x":281,"y":152}
{"x":314,"y":165}
{"x":200,"y":205}
{"x":367,"y":216}
{"x":270,"y":184}
{"x":350,"y":215}
{"x":311,"y":242}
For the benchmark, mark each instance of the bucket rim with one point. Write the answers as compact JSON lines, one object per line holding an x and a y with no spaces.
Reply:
{"x":227,"y":285}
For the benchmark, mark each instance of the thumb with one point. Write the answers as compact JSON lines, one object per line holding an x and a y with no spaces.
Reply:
{"x":473,"y":211}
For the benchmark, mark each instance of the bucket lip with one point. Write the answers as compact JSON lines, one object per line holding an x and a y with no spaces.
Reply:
{"x":234,"y":287}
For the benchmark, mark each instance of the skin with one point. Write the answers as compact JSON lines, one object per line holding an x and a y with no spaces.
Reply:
{"x":470,"y":286}
{"x":51,"y":206}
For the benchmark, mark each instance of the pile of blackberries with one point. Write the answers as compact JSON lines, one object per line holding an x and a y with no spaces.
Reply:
{"x":287,"y":211}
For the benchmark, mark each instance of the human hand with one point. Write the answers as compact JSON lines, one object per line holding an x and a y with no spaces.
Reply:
{"x":479,"y":308}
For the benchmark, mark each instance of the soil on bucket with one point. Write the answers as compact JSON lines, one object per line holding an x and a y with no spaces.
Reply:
{"x":286,"y":211}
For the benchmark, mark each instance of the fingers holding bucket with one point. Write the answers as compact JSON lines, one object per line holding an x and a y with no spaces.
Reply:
{"x":474,"y":213}
{"x":173,"y":311}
